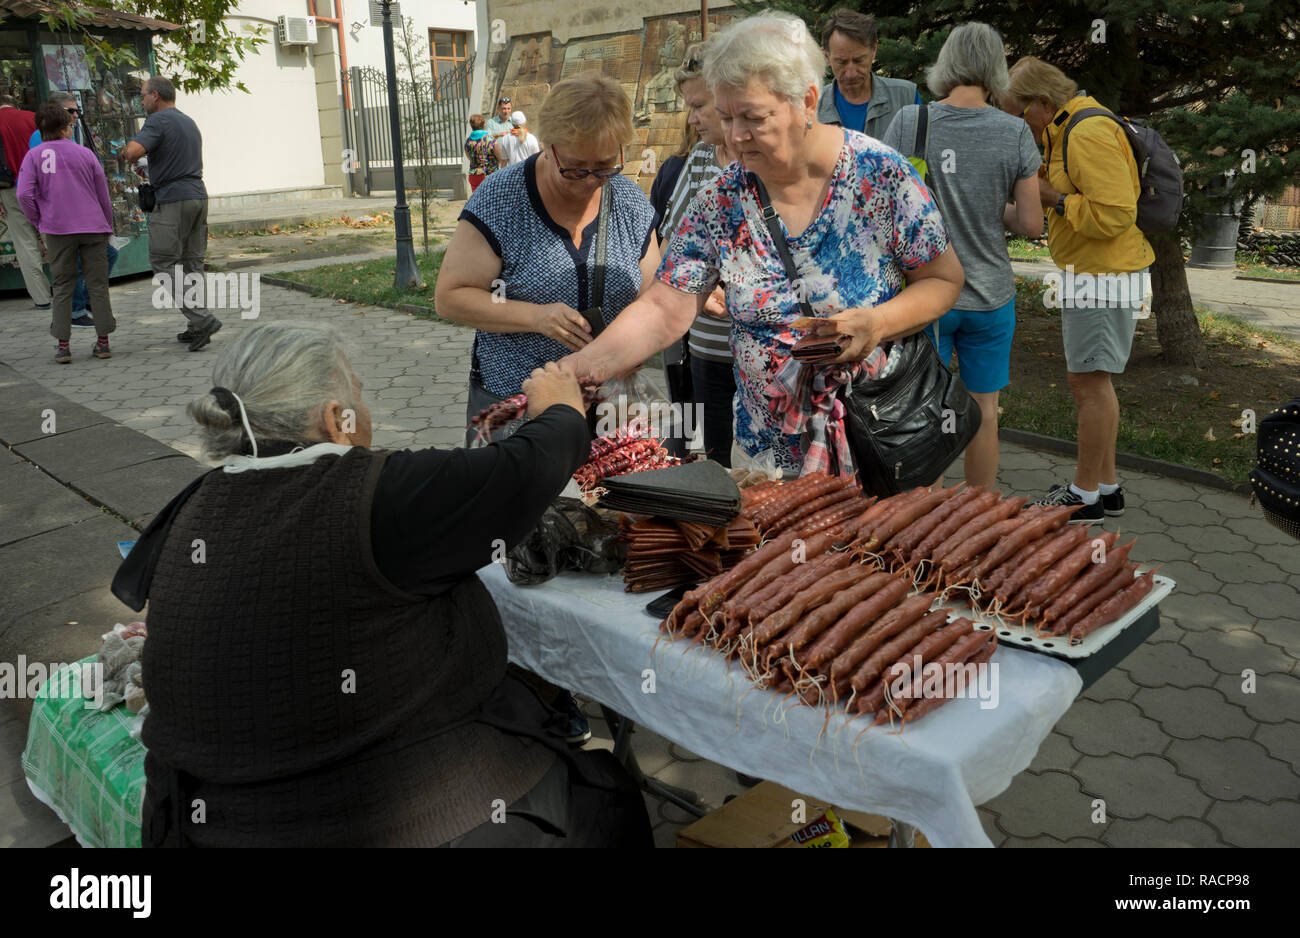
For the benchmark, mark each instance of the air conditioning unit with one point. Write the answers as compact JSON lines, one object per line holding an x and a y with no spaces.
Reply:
{"x":296,"y":30}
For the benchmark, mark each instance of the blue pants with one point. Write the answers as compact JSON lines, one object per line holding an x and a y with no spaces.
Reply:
{"x":79,"y":295}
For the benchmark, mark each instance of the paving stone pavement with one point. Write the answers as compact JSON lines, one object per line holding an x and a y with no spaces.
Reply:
{"x":1194,"y":739}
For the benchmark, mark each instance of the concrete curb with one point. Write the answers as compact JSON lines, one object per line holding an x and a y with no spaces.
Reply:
{"x":410,"y":308}
{"x":1159,"y":467}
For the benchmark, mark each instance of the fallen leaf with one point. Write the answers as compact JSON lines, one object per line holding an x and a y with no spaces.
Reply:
{"x":1214,"y":395}
{"x":1051,"y":385}
{"x":1209,"y":434}
{"x":1217,"y":460}
{"x":1238,"y":436}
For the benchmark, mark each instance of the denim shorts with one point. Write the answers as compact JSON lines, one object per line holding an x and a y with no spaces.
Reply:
{"x":983,"y":342}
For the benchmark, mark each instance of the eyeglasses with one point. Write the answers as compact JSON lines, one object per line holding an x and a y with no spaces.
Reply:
{"x":575,"y":174}
{"x":72,"y":110}
{"x":693,"y":65}
{"x":1024,"y":115}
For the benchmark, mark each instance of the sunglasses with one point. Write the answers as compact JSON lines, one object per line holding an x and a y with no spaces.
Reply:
{"x":72,"y":110}
{"x":504,"y":101}
{"x":575,"y":174}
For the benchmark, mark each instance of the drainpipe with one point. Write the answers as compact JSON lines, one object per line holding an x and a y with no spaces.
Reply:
{"x":337,"y":23}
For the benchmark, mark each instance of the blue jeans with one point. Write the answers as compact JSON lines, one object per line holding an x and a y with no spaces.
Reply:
{"x":79,"y":295}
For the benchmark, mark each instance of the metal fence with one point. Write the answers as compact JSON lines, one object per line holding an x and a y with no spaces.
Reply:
{"x":434,"y":120}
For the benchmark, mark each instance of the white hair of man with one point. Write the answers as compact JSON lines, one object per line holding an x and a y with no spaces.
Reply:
{"x":284,"y":373}
{"x":774,"y":48}
{"x":973,"y":55}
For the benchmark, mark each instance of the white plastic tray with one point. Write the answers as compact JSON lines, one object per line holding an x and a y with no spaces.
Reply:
{"x":1011,"y":635}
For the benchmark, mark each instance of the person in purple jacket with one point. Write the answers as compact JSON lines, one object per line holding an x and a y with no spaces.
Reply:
{"x":64,"y":194}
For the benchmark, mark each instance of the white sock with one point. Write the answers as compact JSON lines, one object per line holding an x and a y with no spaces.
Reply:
{"x":1089,"y":498}
{"x":1108,"y":488}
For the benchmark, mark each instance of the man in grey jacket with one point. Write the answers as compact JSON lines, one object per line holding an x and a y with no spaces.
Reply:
{"x":178,"y":227}
{"x":857,"y":98}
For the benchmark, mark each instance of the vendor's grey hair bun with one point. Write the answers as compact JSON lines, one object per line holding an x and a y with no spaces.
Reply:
{"x":285,"y":373}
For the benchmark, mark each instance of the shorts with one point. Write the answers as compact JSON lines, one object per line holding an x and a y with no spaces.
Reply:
{"x":1098,"y":339}
{"x":983,"y":342}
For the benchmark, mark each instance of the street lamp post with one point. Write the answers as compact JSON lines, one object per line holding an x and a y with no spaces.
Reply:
{"x":406,"y":275}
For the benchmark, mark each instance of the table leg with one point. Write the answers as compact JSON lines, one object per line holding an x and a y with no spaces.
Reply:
{"x":901,"y":834}
{"x":621,"y":728}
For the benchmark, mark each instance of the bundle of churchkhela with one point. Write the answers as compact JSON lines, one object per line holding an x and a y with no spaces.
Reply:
{"x":634,"y":447}
{"x":495,"y":416}
{"x":832,"y":612}
{"x":664,"y":553}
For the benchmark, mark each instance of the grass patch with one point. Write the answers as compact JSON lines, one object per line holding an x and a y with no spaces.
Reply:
{"x":1269,"y":273}
{"x":1022,"y":249}
{"x":1162,"y":416}
{"x":372,"y":282}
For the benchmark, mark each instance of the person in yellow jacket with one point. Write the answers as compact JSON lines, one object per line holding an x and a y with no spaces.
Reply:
{"x":1105,"y":260}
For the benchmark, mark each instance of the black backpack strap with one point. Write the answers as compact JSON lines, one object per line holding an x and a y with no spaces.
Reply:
{"x":1074,"y":119}
{"x":778,"y":237}
{"x":922,"y":138}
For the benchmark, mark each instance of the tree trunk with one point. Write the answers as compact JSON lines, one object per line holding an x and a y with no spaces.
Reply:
{"x":1177,"y":328}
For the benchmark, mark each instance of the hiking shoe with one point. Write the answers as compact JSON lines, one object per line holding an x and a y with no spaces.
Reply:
{"x":101,"y":350}
{"x":1062,"y":494}
{"x":203,"y":336}
{"x":186,"y":336}
{"x":1113,"y":504}
{"x":63,"y":354}
{"x":83,"y":321}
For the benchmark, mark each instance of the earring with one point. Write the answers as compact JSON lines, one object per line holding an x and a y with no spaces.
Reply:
{"x":807,"y":125}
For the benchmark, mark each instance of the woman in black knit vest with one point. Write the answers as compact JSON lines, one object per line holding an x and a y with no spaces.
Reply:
{"x":324,"y":668}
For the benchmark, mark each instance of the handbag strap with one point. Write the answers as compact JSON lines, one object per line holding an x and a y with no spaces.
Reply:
{"x":602,"y":252}
{"x":782,"y":248}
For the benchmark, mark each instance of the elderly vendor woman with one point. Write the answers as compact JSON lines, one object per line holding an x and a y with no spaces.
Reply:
{"x":324,"y":668}
{"x":860,"y":225}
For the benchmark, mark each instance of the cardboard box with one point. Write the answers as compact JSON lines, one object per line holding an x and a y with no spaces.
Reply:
{"x":762,"y":818}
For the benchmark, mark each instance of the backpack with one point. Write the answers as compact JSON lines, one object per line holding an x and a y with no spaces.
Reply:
{"x":1160,"y":178}
{"x":920,"y":142}
{"x":1276,"y":476}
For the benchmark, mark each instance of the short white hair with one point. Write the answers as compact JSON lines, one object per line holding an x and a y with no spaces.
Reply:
{"x":973,"y":55}
{"x":775,"y":48}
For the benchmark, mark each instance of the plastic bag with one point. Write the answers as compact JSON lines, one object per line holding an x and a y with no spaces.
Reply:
{"x":754,"y":469}
{"x":635,"y":396}
{"x":569,"y":536}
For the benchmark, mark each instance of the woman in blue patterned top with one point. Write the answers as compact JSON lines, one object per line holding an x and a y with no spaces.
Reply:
{"x":860,"y":225}
{"x":520,"y":265}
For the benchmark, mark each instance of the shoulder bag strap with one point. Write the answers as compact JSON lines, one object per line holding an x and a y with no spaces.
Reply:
{"x":778,"y":237}
{"x":597,"y":291}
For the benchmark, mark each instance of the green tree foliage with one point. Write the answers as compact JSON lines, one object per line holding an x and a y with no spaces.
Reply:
{"x":203,"y":56}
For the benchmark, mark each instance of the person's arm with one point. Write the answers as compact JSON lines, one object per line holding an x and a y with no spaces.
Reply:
{"x":649,"y":261}
{"x":101,"y":190}
{"x":468,"y":292}
{"x":655,"y":320}
{"x":26,"y":189}
{"x":144,"y":141}
{"x":498,"y":150}
{"x":1105,"y":205}
{"x":1026,"y":216}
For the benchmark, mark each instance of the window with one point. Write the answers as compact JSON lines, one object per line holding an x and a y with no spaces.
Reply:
{"x":447,"y":50}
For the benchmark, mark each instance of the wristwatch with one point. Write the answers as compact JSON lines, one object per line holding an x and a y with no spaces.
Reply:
{"x":1060,"y":205}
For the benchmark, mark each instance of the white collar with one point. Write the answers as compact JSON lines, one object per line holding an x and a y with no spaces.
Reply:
{"x":299,"y":457}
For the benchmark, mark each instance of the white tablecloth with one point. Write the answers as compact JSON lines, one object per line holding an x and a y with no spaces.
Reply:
{"x":584,"y":633}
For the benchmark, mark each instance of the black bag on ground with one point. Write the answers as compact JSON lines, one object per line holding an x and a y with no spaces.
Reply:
{"x":906,"y":428}
{"x":1276,"y":476}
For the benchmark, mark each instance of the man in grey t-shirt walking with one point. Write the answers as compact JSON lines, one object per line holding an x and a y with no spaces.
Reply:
{"x":178,"y":227}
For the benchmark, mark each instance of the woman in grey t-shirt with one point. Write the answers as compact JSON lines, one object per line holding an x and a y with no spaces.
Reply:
{"x":978,"y":159}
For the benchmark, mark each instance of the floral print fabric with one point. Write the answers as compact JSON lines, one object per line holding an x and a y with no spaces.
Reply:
{"x":878,"y":220}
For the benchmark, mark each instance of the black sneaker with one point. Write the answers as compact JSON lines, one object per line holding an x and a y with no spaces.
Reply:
{"x":186,"y":336}
{"x":203,"y":336}
{"x":570,"y":723}
{"x":1113,"y":504}
{"x":84,"y":321}
{"x":1062,"y":494}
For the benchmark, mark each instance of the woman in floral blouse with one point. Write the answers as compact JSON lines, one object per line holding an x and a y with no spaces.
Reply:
{"x":860,"y":225}
{"x":478,"y":147}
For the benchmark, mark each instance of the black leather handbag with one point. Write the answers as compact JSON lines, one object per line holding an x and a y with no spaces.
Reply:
{"x":907,"y":428}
